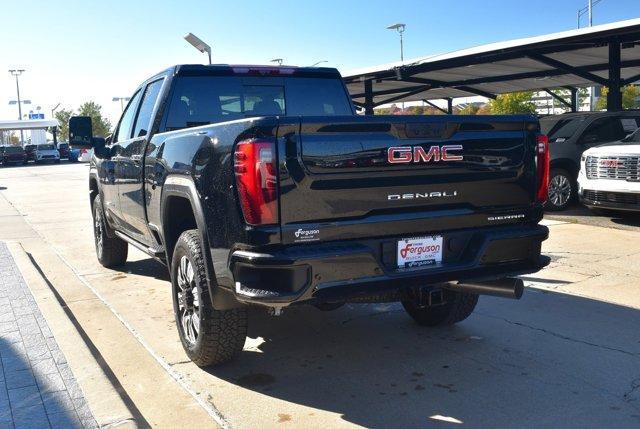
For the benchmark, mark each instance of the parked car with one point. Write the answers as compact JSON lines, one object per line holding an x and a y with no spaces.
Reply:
{"x":74,"y":154}
{"x":30,"y":151}
{"x":261,"y":186}
{"x":47,"y":152}
{"x":610,"y":175}
{"x":85,"y":155}
{"x":12,"y":155}
{"x":570,"y":134}
{"x":63,"y":148}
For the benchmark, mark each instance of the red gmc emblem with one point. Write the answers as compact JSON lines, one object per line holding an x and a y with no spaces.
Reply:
{"x":407,"y":154}
{"x":610,"y":163}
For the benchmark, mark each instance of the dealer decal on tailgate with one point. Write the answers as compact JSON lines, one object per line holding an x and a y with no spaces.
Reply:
{"x":416,"y":252}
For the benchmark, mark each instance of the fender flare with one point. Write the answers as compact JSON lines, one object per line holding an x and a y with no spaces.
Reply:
{"x":184,"y":187}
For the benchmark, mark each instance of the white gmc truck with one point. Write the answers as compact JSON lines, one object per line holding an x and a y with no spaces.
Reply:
{"x":610,"y":175}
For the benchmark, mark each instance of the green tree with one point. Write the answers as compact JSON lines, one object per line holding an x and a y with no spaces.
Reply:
{"x":63,"y":118}
{"x":512,"y":103}
{"x":101,"y":126}
{"x":630,"y":94}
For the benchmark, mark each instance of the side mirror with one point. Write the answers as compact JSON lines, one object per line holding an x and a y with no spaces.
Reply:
{"x":80,"y":132}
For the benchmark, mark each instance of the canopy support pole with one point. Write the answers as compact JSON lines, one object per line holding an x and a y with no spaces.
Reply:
{"x":560,"y":99}
{"x":614,"y":96}
{"x":435,"y":106}
{"x":368,"y":97}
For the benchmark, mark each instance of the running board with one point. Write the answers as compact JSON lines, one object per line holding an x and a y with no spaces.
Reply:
{"x":156,"y":252}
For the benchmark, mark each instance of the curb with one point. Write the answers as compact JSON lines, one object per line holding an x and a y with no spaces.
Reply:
{"x":103,"y":397}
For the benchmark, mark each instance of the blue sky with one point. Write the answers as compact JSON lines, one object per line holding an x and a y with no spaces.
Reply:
{"x":76,"y":51}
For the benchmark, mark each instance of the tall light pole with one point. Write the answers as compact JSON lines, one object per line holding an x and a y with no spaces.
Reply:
{"x":318,"y":62}
{"x":16,"y":73}
{"x":121,"y":100}
{"x":589,"y":9}
{"x":198,"y":44}
{"x":399,"y":27}
{"x":54,"y":109}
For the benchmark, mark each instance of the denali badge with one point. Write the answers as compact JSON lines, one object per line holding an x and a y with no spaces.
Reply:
{"x":418,"y":195}
{"x":306,"y":234}
{"x":407,"y":154}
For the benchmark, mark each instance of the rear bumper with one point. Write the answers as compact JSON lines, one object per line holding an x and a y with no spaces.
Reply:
{"x":349,"y":270}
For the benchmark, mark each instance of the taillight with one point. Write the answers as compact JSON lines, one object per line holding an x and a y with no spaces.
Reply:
{"x":255,"y":169}
{"x":542,"y":161}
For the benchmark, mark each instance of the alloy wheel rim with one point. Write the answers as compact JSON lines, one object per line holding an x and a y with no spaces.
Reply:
{"x":559,"y":190}
{"x":188,"y":299}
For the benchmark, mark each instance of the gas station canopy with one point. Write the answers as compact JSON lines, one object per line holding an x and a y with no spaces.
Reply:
{"x":31,"y":124}
{"x":607,"y":55}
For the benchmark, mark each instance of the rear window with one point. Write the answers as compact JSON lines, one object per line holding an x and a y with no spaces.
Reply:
{"x":560,"y":128}
{"x":45,"y":147}
{"x":202,"y":100}
{"x":63,"y":146}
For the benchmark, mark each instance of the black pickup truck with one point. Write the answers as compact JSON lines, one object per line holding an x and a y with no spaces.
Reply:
{"x":260,"y":185}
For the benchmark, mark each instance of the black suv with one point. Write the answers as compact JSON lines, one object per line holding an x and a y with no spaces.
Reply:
{"x":570,"y":134}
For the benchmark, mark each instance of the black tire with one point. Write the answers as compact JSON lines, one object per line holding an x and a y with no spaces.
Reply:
{"x":562,"y":189}
{"x":209,"y":336}
{"x":457,"y":307}
{"x":111,"y":251}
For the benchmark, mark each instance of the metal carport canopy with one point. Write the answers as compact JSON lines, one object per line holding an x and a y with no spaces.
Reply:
{"x":607,"y":55}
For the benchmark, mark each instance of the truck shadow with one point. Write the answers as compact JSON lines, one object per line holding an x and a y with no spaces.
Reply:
{"x":145,"y":267}
{"x":551,"y":358}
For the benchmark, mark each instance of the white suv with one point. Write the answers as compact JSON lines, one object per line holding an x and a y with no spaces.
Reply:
{"x":610,"y":175}
{"x":47,"y":152}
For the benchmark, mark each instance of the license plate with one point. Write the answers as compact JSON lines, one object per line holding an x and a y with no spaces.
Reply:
{"x":420,"y":251}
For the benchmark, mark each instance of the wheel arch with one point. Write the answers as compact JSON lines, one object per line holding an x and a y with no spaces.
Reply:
{"x":181,"y":209}
{"x":566,"y":164}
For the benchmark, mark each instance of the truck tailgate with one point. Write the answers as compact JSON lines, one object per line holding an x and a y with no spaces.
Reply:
{"x":397,"y":175}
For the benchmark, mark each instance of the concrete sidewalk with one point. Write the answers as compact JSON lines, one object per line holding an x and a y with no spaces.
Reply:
{"x":37,"y":387}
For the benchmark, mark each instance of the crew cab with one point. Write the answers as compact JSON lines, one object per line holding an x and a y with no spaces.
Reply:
{"x":610,"y":175}
{"x":261,"y":186}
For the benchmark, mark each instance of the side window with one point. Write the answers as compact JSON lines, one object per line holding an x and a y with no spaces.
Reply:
{"x":630,"y":124}
{"x":124,"y":129}
{"x":143,"y":120}
{"x":603,"y":130}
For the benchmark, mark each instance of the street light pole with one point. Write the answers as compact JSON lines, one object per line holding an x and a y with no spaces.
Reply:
{"x":16,"y":73}
{"x":399,"y":27}
{"x":198,"y":44}
{"x":54,"y":109}
{"x":121,"y":100}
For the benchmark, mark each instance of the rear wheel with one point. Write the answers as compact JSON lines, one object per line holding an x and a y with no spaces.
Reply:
{"x":561,"y":189}
{"x":111,"y":251}
{"x":455,"y":307}
{"x":209,"y":336}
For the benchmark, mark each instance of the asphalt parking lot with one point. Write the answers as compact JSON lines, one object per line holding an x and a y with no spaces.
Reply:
{"x":567,"y":354}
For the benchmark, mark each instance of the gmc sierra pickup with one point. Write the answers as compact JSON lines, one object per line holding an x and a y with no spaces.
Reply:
{"x":260,"y":185}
